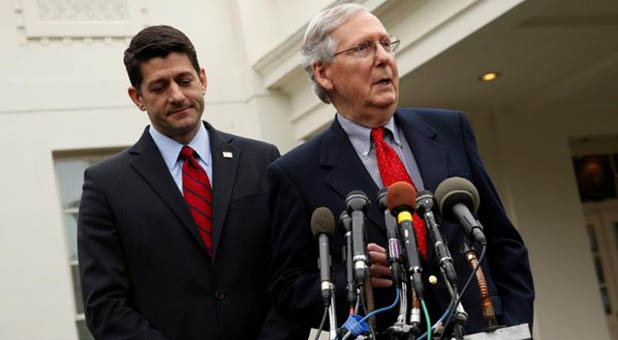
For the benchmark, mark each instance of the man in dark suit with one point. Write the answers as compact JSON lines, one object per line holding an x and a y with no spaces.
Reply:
{"x":174,"y":232}
{"x":350,"y":58}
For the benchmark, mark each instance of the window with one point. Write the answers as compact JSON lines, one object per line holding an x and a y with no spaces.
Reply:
{"x":70,"y":176}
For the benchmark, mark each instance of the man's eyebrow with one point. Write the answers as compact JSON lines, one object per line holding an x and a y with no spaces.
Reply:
{"x":156,"y":81}
{"x":184,"y":74}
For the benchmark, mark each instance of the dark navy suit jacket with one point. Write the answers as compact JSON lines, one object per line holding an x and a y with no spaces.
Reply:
{"x":324,"y":170}
{"x":144,"y":269}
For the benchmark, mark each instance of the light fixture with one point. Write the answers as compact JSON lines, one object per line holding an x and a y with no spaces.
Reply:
{"x":489,"y":76}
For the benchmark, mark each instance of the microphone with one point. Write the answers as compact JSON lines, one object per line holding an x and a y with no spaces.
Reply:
{"x":323,"y":227}
{"x":357,"y":203}
{"x":400,"y":199}
{"x":394,"y":245}
{"x":424,"y":206}
{"x":458,"y":199}
{"x":346,"y":223}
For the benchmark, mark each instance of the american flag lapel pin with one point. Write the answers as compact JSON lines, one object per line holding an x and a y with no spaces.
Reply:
{"x":227,"y":154}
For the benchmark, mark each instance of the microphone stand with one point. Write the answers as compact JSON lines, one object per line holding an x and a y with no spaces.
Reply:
{"x":461,"y":317}
{"x":424,"y":206}
{"x":346,"y":222}
{"x":332,"y":314}
{"x":487,"y":306}
{"x":402,"y":330}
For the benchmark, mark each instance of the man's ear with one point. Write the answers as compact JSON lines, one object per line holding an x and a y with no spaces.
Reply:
{"x":136,"y":97}
{"x":322,"y":75}
{"x":203,"y":80}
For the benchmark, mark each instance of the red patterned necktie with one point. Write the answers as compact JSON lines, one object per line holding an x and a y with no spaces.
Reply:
{"x":198,"y":195}
{"x":392,"y":170}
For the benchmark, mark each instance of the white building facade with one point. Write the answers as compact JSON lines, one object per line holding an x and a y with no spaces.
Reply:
{"x":64,"y":105}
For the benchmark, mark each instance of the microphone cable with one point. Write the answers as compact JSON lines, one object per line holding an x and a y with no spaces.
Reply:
{"x":317,"y":335}
{"x":384,"y":309}
{"x":463,"y":290}
{"x":436,"y":325}
{"x":363,"y":304}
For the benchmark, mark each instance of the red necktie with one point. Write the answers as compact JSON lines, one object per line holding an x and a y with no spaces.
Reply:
{"x":198,"y":195}
{"x":392,"y":170}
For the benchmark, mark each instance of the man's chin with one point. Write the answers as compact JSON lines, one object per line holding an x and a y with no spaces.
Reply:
{"x":387,"y":103}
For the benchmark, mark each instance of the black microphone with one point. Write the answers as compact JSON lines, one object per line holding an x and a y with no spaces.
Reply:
{"x":323,"y":227}
{"x":357,"y":203}
{"x":458,"y":200}
{"x":424,"y":208}
{"x":394,"y":245}
{"x":401,"y":202}
{"x":346,"y":223}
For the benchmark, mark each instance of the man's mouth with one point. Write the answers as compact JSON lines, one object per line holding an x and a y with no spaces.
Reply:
{"x":384,"y":81}
{"x":178,"y":110}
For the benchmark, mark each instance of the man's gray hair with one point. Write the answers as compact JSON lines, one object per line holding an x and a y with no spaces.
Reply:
{"x":319,"y":46}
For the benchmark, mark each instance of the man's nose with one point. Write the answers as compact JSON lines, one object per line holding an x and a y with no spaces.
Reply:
{"x":176,"y":95}
{"x":382,"y":54}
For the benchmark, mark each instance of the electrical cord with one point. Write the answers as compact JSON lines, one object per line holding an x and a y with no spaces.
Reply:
{"x":437,"y":324}
{"x":456,"y":302}
{"x":426,"y":319}
{"x":397,"y":296}
{"x":363,"y":304}
{"x":317,"y":335}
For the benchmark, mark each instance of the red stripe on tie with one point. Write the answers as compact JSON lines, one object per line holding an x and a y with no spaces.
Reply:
{"x":198,"y":195}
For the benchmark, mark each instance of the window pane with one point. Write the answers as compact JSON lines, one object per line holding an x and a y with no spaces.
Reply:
{"x":70,"y":178}
{"x":592,"y":238}
{"x":82,"y":331}
{"x":77,"y":289}
{"x":70,"y":229}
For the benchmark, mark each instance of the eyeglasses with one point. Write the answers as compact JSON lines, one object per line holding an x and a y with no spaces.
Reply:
{"x":364,"y":49}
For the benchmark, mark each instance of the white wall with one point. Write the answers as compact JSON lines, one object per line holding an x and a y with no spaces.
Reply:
{"x":71,"y":95}
{"x":528,"y":155}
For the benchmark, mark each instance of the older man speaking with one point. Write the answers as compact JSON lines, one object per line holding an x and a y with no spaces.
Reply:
{"x":349,"y":56}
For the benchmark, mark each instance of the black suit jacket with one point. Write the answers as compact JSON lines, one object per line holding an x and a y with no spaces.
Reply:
{"x":324,"y":170}
{"x":144,"y":268}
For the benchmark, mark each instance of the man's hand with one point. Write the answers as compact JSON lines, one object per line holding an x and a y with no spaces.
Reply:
{"x":380,"y":271}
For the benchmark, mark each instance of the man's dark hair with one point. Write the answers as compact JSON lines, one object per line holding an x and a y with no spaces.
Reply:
{"x":152,"y":42}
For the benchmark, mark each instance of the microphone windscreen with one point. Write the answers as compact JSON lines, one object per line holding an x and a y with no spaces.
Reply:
{"x":401,"y":194}
{"x":322,"y":222}
{"x":457,"y":190}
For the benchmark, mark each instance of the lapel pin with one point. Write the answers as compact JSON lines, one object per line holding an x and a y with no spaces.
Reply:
{"x":227,"y":154}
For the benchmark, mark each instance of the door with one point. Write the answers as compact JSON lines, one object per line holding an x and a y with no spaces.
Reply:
{"x":602,"y":228}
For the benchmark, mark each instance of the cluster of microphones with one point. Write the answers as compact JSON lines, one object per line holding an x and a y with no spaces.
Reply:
{"x":456,"y":200}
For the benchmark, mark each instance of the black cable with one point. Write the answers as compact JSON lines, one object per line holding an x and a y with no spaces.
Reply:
{"x":317,"y":335}
{"x":463,"y":290}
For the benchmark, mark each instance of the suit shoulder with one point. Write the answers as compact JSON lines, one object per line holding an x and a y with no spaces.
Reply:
{"x":115,"y":161}
{"x":246,"y":143}
{"x":309,"y":151}
{"x":438,"y":119}
{"x":431,"y":114}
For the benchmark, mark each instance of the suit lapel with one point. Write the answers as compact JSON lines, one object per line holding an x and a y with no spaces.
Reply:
{"x":430,"y":156}
{"x":149,"y":163}
{"x":348,"y":171}
{"x":223,"y":173}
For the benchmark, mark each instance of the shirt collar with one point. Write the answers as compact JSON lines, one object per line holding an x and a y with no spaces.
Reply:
{"x":170,"y":149}
{"x":360,"y":136}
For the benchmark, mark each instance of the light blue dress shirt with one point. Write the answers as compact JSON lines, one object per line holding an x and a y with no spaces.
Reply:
{"x":170,"y":150}
{"x":360,"y":137}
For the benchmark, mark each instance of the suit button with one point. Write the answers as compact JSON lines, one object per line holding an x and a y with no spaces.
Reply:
{"x":219,"y":295}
